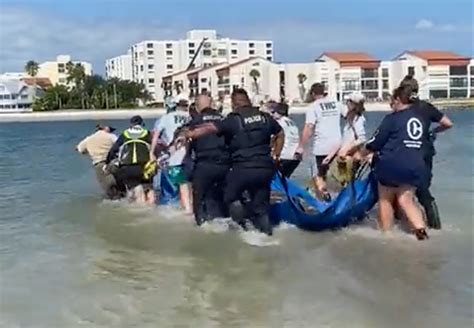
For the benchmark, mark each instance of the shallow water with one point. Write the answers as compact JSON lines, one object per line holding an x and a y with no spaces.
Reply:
{"x":69,"y":259}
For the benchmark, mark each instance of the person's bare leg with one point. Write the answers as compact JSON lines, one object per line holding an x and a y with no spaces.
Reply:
{"x":185,"y":197}
{"x":386,"y":196}
{"x":150,"y":197}
{"x":405,"y":197}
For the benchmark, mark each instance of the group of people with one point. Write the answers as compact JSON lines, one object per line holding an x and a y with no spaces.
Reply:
{"x":223,"y":165}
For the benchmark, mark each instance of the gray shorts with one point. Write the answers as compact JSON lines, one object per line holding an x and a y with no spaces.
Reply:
{"x":106,"y":180}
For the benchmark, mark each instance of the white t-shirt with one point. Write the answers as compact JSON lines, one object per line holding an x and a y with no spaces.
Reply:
{"x":356,"y":132}
{"x":325,"y":114}
{"x":166,"y":126}
{"x":292,"y":137}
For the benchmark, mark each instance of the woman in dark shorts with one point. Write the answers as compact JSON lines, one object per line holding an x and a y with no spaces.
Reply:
{"x":399,"y":167}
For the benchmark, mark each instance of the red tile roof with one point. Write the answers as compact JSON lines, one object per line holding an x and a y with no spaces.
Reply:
{"x":438,"y":57}
{"x":42,"y":82}
{"x":353,"y":59}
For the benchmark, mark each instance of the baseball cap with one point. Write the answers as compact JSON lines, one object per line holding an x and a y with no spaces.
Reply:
{"x":136,"y":120}
{"x":280,"y":108}
{"x":104,"y":126}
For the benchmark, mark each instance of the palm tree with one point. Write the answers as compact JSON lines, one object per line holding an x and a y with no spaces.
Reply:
{"x":255,"y":74}
{"x":76,"y":74}
{"x":301,"y":80}
{"x":32,"y":68}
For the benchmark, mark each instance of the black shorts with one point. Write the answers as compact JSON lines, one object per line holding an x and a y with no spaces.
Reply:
{"x":322,"y":169}
{"x":131,"y":176}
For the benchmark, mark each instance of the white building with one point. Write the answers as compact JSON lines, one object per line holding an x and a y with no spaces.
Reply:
{"x":56,"y":70}
{"x":441,"y":74}
{"x":152,"y":60}
{"x":119,"y":67}
{"x":17,"y":95}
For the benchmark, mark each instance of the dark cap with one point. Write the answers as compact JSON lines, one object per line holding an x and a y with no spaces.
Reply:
{"x":280,"y":108}
{"x":136,"y":120}
{"x":317,"y":89}
{"x":103,"y":127}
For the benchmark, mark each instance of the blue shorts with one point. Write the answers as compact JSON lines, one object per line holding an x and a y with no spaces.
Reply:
{"x":391,"y":175}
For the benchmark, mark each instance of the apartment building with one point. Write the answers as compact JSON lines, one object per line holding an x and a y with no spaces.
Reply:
{"x":441,"y":74}
{"x":152,"y":60}
{"x":119,"y":67}
{"x":56,"y":71}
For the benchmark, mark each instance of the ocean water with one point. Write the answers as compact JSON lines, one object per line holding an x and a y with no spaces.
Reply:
{"x":69,"y":259}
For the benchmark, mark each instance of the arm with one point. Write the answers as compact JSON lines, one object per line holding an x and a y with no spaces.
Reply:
{"x":380,"y":136}
{"x":308,"y":131}
{"x":444,"y":124}
{"x":82,"y":146}
{"x":114,"y":150}
{"x":202,"y":130}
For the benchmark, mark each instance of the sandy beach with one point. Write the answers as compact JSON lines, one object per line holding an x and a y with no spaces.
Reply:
{"x":84,"y":115}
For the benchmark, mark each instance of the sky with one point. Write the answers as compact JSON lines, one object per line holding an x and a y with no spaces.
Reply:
{"x":94,"y":30}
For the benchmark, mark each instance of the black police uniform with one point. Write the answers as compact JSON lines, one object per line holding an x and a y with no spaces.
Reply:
{"x":248,"y":134}
{"x":429,"y":114}
{"x":211,"y":165}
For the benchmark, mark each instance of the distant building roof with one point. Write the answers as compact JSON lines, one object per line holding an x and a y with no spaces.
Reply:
{"x":13,"y":86}
{"x":352,"y":59}
{"x":438,"y":57}
{"x":237,"y":63}
{"x":202,"y":69}
{"x":42,"y":82}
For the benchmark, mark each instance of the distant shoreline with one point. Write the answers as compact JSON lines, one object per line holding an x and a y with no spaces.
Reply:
{"x":147,"y":113}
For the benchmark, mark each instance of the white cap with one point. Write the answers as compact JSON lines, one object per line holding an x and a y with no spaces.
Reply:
{"x":356,"y":97}
{"x":181,"y":97}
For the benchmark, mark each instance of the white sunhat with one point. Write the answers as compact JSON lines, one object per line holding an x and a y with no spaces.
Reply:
{"x":356,"y":97}
{"x":181,"y":97}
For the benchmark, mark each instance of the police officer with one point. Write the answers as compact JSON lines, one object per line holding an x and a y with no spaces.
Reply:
{"x":248,"y":134}
{"x":211,"y":164}
{"x":132,"y":152}
{"x":430,"y":115}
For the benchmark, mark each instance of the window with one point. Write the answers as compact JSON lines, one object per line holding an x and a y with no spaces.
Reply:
{"x":14,"y":96}
{"x":6,"y":97}
{"x":371,"y":95}
{"x":472,"y":82}
{"x":169,"y":52}
{"x":169,"y":66}
{"x":384,"y":72}
{"x":149,"y":52}
{"x":472,"y":71}
{"x":457,"y":70}
{"x":206,"y":52}
{"x":269,"y":52}
{"x":169,"y":45}
{"x":434,"y":94}
{"x":458,"y":93}
{"x":222,"y":52}
{"x":269,"y":45}
{"x":24,"y":97}
{"x":203,"y":80}
{"x":370,"y":85}
{"x":191,"y":44}
{"x":251,"y":45}
{"x":151,"y":81}
{"x":369,"y":73}
{"x":251,"y":52}
{"x":269,"y":58}
{"x":385,"y":85}
{"x":62,"y":70}
{"x":411,"y":70}
{"x":458,"y":82}
{"x":192,"y":51}
{"x":233,"y":51}
{"x":141,"y":68}
{"x":149,"y":45}
{"x":151,"y":66}
{"x":349,"y":85}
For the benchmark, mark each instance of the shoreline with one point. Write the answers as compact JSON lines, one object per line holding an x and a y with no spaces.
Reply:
{"x":147,"y":113}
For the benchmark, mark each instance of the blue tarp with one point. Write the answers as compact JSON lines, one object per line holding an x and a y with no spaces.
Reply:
{"x":299,"y":208}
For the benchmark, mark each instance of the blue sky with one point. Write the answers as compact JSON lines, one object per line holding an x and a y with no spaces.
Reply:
{"x":94,"y":30}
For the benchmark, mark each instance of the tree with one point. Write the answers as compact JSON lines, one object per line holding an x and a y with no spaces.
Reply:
{"x":255,"y":74}
{"x":32,"y":68}
{"x":77,"y":75}
{"x":302,"y":89}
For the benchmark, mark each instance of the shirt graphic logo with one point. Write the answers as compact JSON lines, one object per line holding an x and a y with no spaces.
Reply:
{"x":414,"y":128}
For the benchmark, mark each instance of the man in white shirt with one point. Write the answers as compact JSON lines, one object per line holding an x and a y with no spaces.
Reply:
{"x":97,"y":146}
{"x":323,"y":123}
{"x":163,"y":134}
{"x":289,"y":159}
